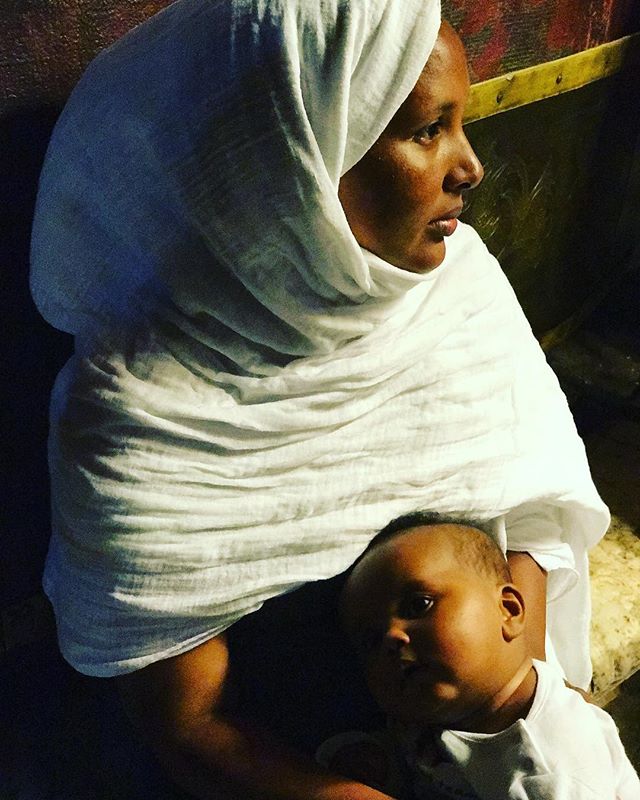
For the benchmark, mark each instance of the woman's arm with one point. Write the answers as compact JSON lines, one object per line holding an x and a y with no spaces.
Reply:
{"x":176,"y":705}
{"x":531,"y":579}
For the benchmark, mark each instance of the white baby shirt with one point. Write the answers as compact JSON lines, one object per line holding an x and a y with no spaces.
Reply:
{"x":565,"y":749}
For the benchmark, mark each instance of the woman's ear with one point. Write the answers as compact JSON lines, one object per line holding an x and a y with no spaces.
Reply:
{"x":512,"y":607}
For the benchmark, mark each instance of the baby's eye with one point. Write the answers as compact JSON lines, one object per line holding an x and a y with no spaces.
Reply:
{"x":429,"y":132}
{"x":417,"y":605}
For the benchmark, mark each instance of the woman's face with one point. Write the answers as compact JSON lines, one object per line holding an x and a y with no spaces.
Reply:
{"x":404,"y":196}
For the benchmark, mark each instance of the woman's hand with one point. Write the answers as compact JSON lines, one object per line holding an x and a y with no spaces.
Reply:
{"x":177,"y":706}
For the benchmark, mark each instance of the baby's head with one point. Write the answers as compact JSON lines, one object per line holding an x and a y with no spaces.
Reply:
{"x":433,"y":614}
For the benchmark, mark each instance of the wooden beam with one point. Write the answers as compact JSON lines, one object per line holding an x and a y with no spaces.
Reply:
{"x":551,"y":78}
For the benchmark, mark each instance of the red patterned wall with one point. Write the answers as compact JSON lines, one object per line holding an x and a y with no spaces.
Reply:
{"x":45,"y":44}
{"x":505,"y":35}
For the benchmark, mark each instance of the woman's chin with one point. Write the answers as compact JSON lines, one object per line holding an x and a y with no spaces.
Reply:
{"x":429,"y":258}
{"x":425,"y":257}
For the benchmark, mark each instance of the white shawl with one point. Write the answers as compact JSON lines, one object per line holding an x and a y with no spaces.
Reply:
{"x":253,"y":395}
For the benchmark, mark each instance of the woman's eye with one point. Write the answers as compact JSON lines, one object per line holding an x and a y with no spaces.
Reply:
{"x":429,"y":132}
{"x":418,"y":605}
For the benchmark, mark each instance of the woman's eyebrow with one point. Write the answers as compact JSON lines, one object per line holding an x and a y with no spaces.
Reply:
{"x":432,"y":111}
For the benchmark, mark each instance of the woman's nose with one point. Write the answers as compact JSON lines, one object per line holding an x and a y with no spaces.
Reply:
{"x":467,"y":171}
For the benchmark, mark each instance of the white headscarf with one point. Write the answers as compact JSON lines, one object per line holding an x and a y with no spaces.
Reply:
{"x":253,"y":395}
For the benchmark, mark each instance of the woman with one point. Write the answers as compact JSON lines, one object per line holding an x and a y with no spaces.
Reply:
{"x":242,"y":219}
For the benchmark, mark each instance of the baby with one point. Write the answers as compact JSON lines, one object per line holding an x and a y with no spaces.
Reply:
{"x":439,"y":627}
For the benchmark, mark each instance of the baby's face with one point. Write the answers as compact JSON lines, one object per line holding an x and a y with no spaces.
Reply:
{"x":429,"y":629}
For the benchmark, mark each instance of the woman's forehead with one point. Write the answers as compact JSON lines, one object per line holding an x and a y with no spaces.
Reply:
{"x":443,"y":83}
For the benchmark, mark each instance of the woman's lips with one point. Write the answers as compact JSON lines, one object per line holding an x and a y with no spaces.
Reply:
{"x":447,"y":223}
{"x":445,"y":227}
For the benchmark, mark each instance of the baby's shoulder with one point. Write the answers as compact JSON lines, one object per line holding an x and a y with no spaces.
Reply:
{"x":567,"y":728}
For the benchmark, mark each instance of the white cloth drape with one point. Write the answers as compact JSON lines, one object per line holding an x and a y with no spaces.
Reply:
{"x":253,"y":395}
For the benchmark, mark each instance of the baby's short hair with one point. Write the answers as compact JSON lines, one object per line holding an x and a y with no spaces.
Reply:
{"x":481,"y":551}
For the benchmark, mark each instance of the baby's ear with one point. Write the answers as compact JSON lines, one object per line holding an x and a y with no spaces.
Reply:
{"x":512,"y":607}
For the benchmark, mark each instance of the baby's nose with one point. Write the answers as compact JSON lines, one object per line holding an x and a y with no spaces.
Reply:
{"x":396,"y":638}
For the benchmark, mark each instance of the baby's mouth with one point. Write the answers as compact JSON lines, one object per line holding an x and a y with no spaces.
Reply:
{"x":411,"y":668}
{"x":416,"y":670}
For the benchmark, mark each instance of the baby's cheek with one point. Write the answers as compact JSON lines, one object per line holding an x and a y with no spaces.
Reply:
{"x":381,"y":685}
